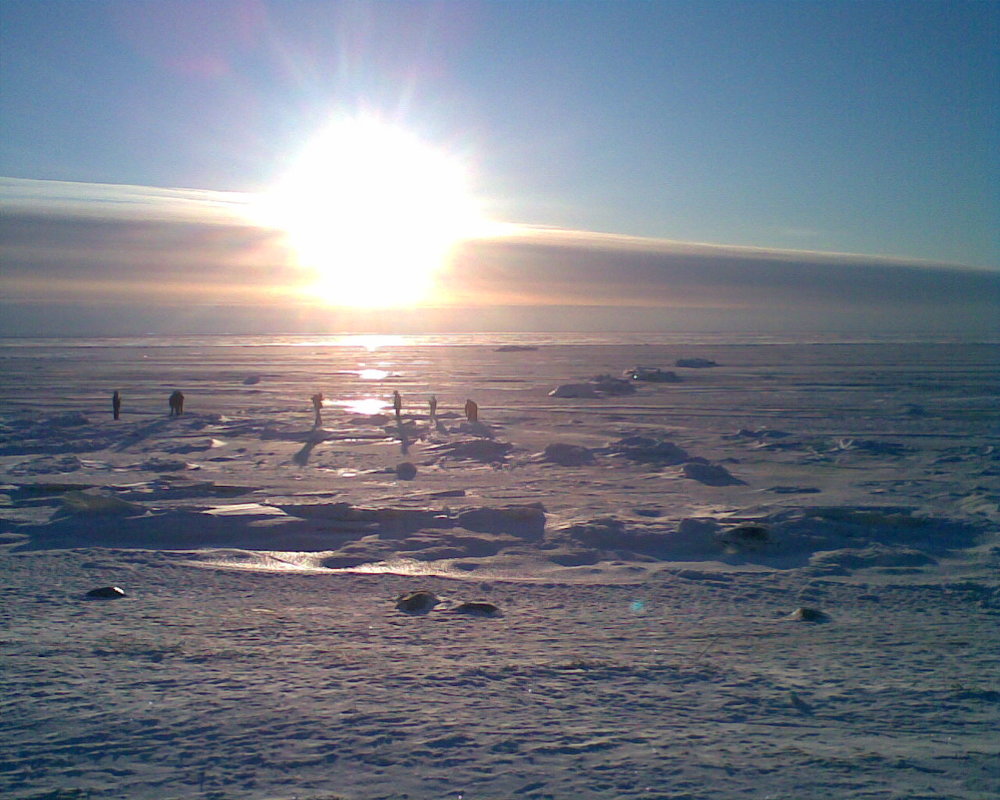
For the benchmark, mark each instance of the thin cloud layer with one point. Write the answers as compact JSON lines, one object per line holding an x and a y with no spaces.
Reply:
{"x":583,"y":268}
{"x":68,"y":249}
{"x":96,"y":244}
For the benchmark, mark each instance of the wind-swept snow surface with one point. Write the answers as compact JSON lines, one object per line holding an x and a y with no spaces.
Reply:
{"x":775,"y":578}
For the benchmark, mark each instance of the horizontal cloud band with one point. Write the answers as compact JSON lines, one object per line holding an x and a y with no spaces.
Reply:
{"x":79,"y":244}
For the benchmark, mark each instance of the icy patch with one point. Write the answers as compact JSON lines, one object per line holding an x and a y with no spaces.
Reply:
{"x":245,"y":510}
{"x":157,"y":464}
{"x":871,"y":447}
{"x":85,"y":503}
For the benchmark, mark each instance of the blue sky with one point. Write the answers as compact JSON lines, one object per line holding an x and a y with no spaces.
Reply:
{"x":853,"y":127}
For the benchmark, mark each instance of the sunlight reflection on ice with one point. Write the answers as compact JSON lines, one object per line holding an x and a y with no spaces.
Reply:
{"x":373,"y":374}
{"x":372,"y":342}
{"x":365,"y":405}
{"x":520,"y":571}
{"x":245,"y":509}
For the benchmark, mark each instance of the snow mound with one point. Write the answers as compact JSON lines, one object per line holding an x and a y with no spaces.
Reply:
{"x":695,"y":363}
{"x":606,"y":384}
{"x":648,"y":449}
{"x":486,"y":450}
{"x":84,"y":503}
{"x":417,"y":602}
{"x":652,"y":375}
{"x":598,"y":386}
{"x":575,"y":390}
{"x":567,"y":455}
{"x":524,"y":521}
{"x":710,"y":474}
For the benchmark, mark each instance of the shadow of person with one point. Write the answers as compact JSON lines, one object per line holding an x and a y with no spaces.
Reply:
{"x":313,"y":438}
{"x":480,"y":429}
{"x":404,"y":440}
{"x":302,"y":456}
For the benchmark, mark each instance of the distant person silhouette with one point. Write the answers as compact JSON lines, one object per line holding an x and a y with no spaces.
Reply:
{"x":116,"y":404}
{"x":397,"y":403}
{"x":317,"y":400}
{"x":176,"y":403}
{"x":434,"y":407}
{"x":471,"y":411}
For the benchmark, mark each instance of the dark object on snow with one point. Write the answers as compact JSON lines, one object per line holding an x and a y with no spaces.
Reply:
{"x":478,"y":609}
{"x":568,"y":455}
{"x":652,"y":375}
{"x":107,"y":593}
{"x":605,"y":384}
{"x":418,"y":602}
{"x":251,"y":380}
{"x":587,"y":390}
{"x":116,"y":404}
{"x":695,"y":363}
{"x":710,"y":474}
{"x":406,"y":471}
{"x":524,"y":521}
{"x":485,"y":450}
{"x":650,"y":450}
{"x":176,"y":403}
{"x":746,"y":536}
{"x":397,"y":403}
{"x":515,"y":348}
{"x":809,"y":615}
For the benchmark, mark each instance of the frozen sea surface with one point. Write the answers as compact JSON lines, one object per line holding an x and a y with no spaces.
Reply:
{"x":649,"y":548}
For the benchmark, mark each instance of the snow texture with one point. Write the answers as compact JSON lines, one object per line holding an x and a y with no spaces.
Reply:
{"x":774,"y":579}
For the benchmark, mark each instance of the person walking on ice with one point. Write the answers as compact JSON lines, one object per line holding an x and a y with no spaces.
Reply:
{"x":471,"y":411}
{"x":317,"y":401}
{"x":116,"y":404}
{"x":176,"y":403}
{"x":397,"y":403}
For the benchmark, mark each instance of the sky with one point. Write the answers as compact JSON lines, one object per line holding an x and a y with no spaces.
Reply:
{"x":702,"y":165}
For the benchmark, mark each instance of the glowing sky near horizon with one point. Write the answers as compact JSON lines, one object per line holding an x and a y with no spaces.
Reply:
{"x":865,"y":128}
{"x":856,"y":127}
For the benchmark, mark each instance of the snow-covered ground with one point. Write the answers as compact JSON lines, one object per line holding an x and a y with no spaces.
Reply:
{"x":648,"y":544}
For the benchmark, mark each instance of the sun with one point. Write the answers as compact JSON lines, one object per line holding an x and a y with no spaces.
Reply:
{"x":372,"y":212}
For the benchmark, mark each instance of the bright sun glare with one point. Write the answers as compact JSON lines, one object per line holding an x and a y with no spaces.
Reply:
{"x":372,"y":213}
